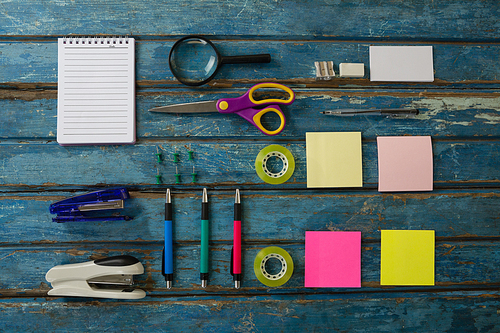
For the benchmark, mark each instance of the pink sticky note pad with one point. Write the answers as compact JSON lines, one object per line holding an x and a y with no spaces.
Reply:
{"x":333,"y":259}
{"x":405,"y":163}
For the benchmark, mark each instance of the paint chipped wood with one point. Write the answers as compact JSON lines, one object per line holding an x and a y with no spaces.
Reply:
{"x":460,"y":110}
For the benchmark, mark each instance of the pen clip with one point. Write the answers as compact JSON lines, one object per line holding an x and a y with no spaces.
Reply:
{"x":400,"y":113}
{"x":163,"y":262}
{"x":231,"y":266}
{"x":401,"y":116}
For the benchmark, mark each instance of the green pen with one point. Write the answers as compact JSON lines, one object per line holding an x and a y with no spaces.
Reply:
{"x":204,"y":240}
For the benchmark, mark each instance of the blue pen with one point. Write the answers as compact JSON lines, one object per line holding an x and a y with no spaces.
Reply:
{"x":168,"y":256}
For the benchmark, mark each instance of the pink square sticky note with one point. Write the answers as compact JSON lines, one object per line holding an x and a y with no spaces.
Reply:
{"x":333,"y":259}
{"x":404,"y":163}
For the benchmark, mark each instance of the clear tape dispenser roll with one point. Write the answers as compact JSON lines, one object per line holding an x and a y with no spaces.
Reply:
{"x":280,"y":278}
{"x":286,"y":158}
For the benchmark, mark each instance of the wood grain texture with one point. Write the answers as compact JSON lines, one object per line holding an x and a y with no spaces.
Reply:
{"x":407,"y":313}
{"x":460,"y":110}
{"x":472,"y":64}
{"x":443,"y":115}
{"x":415,"y":20}
{"x":267,"y":216}
{"x":460,"y":265}
{"x":218,"y":165}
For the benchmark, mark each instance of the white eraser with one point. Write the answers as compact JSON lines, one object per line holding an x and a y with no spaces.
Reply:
{"x":352,"y":70}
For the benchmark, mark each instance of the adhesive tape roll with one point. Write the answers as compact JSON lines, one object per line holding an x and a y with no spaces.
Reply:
{"x":274,"y":177}
{"x":273,"y":280}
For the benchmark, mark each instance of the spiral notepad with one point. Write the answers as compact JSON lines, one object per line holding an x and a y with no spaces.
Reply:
{"x":96,"y":91}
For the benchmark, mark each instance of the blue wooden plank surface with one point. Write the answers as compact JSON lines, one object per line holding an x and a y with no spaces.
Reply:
{"x":218,"y":165}
{"x":473,"y":64}
{"x":460,"y":110}
{"x":443,"y":114}
{"x":406,"y":312}
{"x":460,"y":265}
{"x":267,"y":216}
{"x":415,"y":20}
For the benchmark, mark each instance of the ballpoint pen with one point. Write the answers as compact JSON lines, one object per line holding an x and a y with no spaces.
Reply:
{"x":204,"y":240}
{"x":398,"y":113}
{"x":236,"y":252}
{"x":168,"y":258}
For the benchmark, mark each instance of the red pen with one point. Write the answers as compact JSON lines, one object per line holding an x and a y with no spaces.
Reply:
{"x":236,"y":253}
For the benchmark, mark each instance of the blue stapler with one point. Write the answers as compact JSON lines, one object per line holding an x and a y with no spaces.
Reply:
{"x":83,"y":208}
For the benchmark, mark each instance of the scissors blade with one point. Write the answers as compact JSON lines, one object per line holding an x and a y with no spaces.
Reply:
{"x":196,"y":107}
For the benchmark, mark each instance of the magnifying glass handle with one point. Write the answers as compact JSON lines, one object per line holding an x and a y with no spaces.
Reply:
{"x":247,"y":59}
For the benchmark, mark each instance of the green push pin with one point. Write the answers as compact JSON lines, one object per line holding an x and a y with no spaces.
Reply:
{"x":190,"y":154}
{"x":193,"y":176}
{"x":158,"y":177}
{"x":176,"y":157}
{"x":158,"y":155}
{"x":177,"y":176}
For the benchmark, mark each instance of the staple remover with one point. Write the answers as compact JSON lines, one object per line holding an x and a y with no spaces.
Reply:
{"x":83,"y":208}
{"x":101,"y":278}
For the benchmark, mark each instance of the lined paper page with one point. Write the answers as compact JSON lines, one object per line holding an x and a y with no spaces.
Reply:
{"x":96,"y":91}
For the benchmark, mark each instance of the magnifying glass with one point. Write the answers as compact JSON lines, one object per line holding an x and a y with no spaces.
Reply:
{"x":194,"y":60}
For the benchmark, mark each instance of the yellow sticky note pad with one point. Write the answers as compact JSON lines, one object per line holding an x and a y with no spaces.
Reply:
{"x":334,"y":159}
{"x":407,"y":258}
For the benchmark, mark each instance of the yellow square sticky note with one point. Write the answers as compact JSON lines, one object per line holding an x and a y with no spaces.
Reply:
{"x":407,"y":258}
{"x":334,"y":159}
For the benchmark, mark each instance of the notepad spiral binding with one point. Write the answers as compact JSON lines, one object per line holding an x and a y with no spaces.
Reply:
{"x":94,"y":40}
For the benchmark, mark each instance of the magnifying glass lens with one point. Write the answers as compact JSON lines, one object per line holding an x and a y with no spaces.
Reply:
{"x":193,"y":60}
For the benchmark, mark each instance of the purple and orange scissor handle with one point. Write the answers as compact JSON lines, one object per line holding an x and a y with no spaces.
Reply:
{"x":246,"y":106}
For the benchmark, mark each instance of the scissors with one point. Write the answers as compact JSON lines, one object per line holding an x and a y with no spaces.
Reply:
{"x":245,"y":106}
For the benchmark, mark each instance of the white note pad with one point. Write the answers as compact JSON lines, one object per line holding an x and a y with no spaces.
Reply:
{"x":401,"y":63}
{"x":96,"y":91}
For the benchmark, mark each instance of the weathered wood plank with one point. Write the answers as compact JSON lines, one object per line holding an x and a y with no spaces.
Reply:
{"x":460,"y":265}
{"x":456,"y":65}
{"x":267,"y":216}
{"x":33,"y":114}
{"x":406,"y":312}
{"x":219,"y":164}
{"x":459,"y":109}
{"x":442,"y":115}
{"x":418,"y":19}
